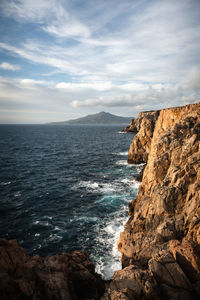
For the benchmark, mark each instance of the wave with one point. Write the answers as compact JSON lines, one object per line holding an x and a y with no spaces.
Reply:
{"x":108,"y":237}
{"x":5,"y":183}
{"x":121,"y":163}
{"x":121,"y":153}
{"x":95,"y":187}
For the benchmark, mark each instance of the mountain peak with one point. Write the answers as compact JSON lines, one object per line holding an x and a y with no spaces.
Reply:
{"x":103,"y":113}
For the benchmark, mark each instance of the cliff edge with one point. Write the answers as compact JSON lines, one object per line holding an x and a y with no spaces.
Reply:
{"x":160,"y":245}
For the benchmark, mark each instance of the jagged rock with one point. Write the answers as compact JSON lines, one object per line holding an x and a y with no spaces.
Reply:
{"x":139,"y":149}
{"x":132,"y":283}
{"x":131,"y":127}
{"x":165,"y":216}
{"x":63,"y":277}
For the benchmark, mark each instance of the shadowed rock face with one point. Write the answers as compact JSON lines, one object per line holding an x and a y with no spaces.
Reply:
{"x":140,"y":147}
{"x":132,"y":127}
{"x":63,"y":277}
{"x":162,"y":235}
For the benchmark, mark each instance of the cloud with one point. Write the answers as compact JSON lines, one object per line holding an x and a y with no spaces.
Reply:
{"x":192,"y":81}
{"x":190,"y":99}
{"x":150,"y":96}
{"x":51,"y":12}
{"x":8,"y":66}
{"x":27,"y":10}
{"x":113,"y":54}
{"x":98,"y":86}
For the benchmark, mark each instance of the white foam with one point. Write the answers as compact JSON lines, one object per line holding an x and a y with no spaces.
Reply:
{"x":17,"y":194}
{"x":87,"y":219}
{"x":95,"y":187}
{"x":121,"y":153}
{"x":57,"y":228}
{"x":42,"y":223}
{"x":107,"y":265}
{"x":138,"y":165}
{"x":127,"y":181}
{"x":5,"y":183}
{"x":122,"y":163}
{"x":54,"y":237}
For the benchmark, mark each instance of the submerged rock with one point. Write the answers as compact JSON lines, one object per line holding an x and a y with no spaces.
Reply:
{"x":65,"y":276}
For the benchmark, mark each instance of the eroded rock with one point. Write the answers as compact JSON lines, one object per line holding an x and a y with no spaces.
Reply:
{"x":63,"y":277}
{"x":162,"y":235}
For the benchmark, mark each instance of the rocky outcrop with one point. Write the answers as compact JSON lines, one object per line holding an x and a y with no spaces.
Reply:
{"x":131,"y":127}
{"x":140,"y":147}
{"x":63,"y":277}
{"x":160,"y":245}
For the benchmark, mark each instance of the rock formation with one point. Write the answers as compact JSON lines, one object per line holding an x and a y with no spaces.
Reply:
{"x":140,"y":147}
{"x":131,"y":127}
{"x":160,"y":245}
{"x":63,"y":277}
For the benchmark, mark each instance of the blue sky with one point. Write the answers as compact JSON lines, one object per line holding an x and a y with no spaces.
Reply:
{"x":63,"y":59}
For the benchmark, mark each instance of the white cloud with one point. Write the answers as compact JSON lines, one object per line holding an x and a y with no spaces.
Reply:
{"x":8,"y":66}
{"x":190,"y":99}
{"x":70,"y":28}
{"x":98,"y":86}
{"x":51,"y":12}
{"x":115,"y":54}
{"x":192,"y":81}
{"x":28,"y":10}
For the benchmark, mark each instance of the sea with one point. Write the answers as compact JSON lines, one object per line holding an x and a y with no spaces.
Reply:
{"x":64,"y":188}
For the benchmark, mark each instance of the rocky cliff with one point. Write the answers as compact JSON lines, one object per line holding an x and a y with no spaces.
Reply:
{"x":132,"y":127}
{"x":160,"y":245}
{"x":65,"y":276}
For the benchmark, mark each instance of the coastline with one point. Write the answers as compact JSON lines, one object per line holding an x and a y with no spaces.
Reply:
{"x":160,"y":245}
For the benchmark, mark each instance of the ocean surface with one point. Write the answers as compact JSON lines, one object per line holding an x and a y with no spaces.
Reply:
{"x":66,"y":187}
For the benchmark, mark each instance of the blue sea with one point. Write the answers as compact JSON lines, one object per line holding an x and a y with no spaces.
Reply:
{"x":66,"y":187}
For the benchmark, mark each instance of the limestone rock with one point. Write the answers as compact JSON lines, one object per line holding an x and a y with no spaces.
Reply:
{"x":65,"y":276}
{"x":132,"y":283}
{"x":165,"y":216}
{"x":131,"y":127}
{"x":139,"y":149}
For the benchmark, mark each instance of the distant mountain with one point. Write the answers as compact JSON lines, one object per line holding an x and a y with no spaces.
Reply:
{"x":100,"y":118}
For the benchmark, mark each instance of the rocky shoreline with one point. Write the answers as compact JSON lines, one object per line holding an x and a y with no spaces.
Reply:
{"x":160,"y":245}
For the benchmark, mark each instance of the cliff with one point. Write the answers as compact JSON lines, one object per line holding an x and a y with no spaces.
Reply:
{"x":131,"y":127}
{"x":160,"y":245}
{"x":140,"y":147}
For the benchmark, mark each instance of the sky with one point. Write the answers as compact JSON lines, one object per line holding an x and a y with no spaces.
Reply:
{"x":64,"y":59}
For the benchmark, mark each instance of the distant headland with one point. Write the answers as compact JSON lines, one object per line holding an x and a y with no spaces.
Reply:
{"x":99,"y":118}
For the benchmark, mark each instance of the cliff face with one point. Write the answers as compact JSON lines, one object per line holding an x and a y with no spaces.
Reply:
{"x":162,"y":236}
{"x":131,"y":127}
{"x":65,"y":276}
{"x":140,"y":147}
